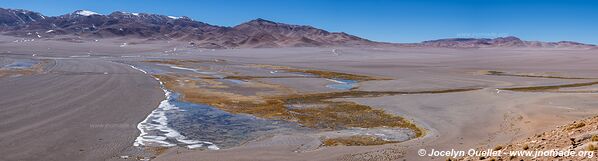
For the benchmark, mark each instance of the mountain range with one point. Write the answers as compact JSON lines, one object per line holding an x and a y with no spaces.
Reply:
{"x":258,"y":33}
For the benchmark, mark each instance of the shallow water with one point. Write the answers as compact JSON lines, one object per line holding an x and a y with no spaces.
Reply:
{"x":236,"y":81}
{"x":191,"y":125}
{"x":148,"y":69}
{"x":203,"y":122}
{"x":212,"y":74}
{"x":388,"y":134}
{"x":21,"y":64}
{"x":342,"y":84}
{"x":155,"y":129}
{"x":178,"y":123}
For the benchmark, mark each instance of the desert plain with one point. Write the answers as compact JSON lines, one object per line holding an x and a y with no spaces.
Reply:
{"x":85,"y":100}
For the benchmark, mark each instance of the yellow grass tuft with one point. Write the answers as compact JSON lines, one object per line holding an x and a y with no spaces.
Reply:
{"x":576,"y":126}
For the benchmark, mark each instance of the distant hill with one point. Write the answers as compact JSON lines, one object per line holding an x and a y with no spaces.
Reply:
{"x":504,"y":42}
{"x":258,"y":33}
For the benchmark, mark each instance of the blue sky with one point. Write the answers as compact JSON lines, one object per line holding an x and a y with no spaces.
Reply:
{"x":379,"y":20}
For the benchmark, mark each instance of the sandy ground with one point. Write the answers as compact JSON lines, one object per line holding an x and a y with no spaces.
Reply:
{"x":75,"y":111}
{"x":54,"y":115}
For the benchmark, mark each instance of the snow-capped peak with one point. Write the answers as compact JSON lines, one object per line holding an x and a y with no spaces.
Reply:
{"x":131,"y":13}
{"x":85,"y":13}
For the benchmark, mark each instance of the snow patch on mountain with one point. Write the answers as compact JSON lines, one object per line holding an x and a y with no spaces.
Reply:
{"x":85,"y":13}
{"x":173,"y":17}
